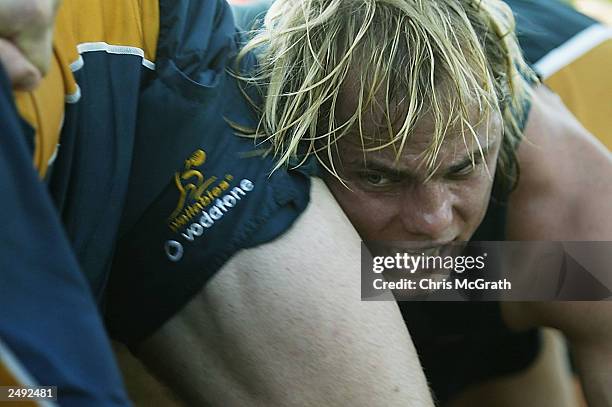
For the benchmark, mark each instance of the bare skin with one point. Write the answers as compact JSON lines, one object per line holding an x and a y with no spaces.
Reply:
{"x":285,"y":326}
{"x":26,"y":34}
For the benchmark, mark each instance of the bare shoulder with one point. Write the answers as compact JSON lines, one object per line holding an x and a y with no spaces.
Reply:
{"x":564,"y":193}
{"x":565,"y":188}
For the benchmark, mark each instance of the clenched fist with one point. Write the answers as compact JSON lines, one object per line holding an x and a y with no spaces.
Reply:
{"x":26,"y":30}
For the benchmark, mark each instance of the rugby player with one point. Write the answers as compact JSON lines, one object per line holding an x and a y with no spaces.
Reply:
{"x":221,"y":281}
{"x":338,"y":87}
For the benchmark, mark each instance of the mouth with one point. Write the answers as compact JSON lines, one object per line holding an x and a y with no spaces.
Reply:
{"x":446,"y":248}
{"x":431,"y":257}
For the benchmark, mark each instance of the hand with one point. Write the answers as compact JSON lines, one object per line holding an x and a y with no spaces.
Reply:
{"x":26,"y":33}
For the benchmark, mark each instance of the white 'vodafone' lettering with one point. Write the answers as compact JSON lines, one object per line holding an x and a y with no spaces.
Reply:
{"x":174,"y":249}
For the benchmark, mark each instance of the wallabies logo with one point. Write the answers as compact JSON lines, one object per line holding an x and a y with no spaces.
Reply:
{"x":191,"y":182}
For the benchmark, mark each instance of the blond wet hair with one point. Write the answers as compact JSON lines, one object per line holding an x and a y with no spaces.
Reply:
{"x":443,"y":59}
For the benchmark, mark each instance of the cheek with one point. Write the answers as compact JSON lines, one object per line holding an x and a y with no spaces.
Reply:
{"x":472,"y":202}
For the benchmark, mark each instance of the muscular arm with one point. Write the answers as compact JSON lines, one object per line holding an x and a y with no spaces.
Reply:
{"x":283,"y":325}
{"x":565,"y":193}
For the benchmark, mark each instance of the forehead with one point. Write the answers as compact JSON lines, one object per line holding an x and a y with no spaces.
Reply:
{"x":459,"y":142}
{"x":385,"y":105}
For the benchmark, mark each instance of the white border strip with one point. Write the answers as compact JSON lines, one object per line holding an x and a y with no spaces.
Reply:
{"x":53,"y":156}
{"x":10,"y":361}
{"x":572,"y":49}
{"x":74,"y":97}
{"x":78,"y":64}
{"x":109,"y":49}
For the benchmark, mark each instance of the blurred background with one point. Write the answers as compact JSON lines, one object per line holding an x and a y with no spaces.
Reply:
{"x":599,"y":9}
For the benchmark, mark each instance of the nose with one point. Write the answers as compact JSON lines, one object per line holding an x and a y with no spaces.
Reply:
{"x":427,"y":212}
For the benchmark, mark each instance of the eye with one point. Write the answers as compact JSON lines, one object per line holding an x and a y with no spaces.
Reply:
{"x":463,"y":171}
{"x":377,"y":179}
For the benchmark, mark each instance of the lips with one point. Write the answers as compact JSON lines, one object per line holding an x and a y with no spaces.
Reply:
{"x":414,"y":248}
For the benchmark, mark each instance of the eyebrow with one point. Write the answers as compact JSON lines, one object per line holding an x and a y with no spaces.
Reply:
{"x":465,"y":161}
{"x":382,"y":166}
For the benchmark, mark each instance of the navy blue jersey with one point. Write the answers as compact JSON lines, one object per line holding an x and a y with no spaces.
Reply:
{"x":51,"y":333}
{"x":84,"y":119}
{"x":572,"y":53}
{"x":198,"y":192}
{"x":544,"y":25}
